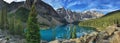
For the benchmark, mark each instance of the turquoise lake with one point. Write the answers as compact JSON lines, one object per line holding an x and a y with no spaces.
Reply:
{"x":63,"y":32}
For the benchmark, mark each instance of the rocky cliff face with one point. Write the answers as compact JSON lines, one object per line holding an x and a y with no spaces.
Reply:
{"x":14,"y":6}
{"x":45,"y":11}
{"x":91,"y":14}
{"x":42,"y":8}
{"x":71,"y":16}
{"x":68,"y":15}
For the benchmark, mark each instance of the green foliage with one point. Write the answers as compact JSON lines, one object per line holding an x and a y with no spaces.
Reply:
{"x":73,"y":32}
{"x":12,"y":24}
{"x":103,"y":22}
{"x":4,"y":19}
{"x":16,"y":26}
{"x":32,"y":33}
{"x":8,"y":38}
{"x":18,"y":29}
{"x":21,"y":14}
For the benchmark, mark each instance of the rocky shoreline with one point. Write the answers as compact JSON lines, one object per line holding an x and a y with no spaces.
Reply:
{"x":110,"y":35}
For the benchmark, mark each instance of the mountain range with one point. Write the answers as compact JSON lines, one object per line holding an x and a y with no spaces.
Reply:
{"x":103,"y":22}
{"x":71,"y":16}
{"x":47,"y":15}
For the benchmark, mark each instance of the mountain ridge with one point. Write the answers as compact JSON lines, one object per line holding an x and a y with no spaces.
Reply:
{"x":71,"y":16}
{"x":101,"y":23}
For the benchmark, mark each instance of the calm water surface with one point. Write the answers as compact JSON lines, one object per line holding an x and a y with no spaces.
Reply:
{"x":63,"y":32}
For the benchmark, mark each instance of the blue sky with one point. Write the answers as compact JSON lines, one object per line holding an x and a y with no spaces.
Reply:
{"x":104,"y":6}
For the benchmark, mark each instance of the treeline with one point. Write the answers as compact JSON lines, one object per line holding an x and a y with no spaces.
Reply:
{"x":103,"y":22}
{"x":11,"y":24}
{"x":28,"y":27}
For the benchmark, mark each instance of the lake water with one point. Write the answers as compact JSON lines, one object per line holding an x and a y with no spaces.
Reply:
{"x":63,"y":32}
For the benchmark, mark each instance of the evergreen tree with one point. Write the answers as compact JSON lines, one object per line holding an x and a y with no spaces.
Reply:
{"x":18,"y":28}
{"x":4,"y":19}
{"x":32,"y":32}
{"x":12,"y":24}
{"x":73,"y":33}
{"x":15,"y":26}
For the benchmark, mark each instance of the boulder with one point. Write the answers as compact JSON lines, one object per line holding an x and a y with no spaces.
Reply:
{"x":118,"y":28}
{"x":3,"y":41}
{"x":77,"y":40}
{"x":90,"y":39}
{"x":55,"y":41}
{"x":106,"y":41}
{"x":115,"y":38}
{"x":110,"y":29}
{"x":42,"y":41}
{"x":118,"y":25}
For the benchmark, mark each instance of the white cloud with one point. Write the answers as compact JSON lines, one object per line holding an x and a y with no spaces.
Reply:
{"x":92,"y":4}
{"x":73,"y":3}
{"x":104,"y":10}
{"x":78,"y":10}
{"x":19,"y":0}
{"x":9,"y":1}
{"x":54,"y":3}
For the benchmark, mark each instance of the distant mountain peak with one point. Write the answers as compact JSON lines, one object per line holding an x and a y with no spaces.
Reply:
{"x":71,"y":16}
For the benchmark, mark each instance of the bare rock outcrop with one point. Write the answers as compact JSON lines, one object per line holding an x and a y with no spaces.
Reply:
{"x":110,"y":29}
{"x":115,"y":38}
